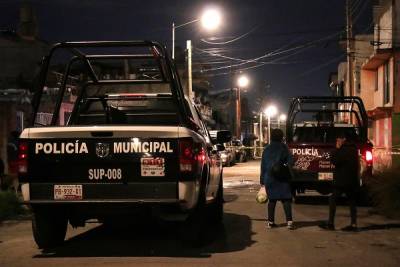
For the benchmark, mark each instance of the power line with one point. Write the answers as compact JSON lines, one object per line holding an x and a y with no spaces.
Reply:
{"x":232,"y":40}
{"x":362,"y":9}
{"x":276,"y":61}
{"x":355,"y":6}
{"x":321,"y":66}
{"x":270,"y":54}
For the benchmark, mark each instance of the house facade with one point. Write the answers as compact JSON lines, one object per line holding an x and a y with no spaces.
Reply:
{"x":380,"y":84}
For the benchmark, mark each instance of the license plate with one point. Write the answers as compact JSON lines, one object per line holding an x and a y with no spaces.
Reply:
{"x":325,"y":176}
{"x":152,"y":166}
{"x":67,"y":192}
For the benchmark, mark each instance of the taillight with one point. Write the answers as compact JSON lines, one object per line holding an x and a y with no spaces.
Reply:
{"x":191,"y":154}
{"x":186,"y":157}
{"x":23,"y":157}
{"x":368,"y":156}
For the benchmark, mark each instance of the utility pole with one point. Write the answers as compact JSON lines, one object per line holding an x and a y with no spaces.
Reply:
{"x":238,"y":114}
{"x":261,"y":131}
{"x":349,"y":47}
{"x":189,"y":56}
{"x":255,"y":129}
{"x":232,"y":103}
{"x":173,"y":40}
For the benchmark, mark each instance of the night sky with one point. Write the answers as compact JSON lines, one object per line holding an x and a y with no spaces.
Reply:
{"x":304,"y":35}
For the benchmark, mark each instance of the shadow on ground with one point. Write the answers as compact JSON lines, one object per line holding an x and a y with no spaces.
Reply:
{"x":319,"y":200}
{"x":379,"y":227}
{"x":230,"y":197}
{"x":149,"y":239}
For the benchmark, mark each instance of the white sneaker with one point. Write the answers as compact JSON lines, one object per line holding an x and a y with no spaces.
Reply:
{"x":270,"y":225}
{"x":290,"y":225}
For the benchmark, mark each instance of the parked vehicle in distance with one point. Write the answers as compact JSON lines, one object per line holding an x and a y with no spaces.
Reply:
{"x":227,"y":153}
{"x":126,"y":143}
{"x":240,"y":151}
{"x":312,"y":127}
{"x":227,"y":156}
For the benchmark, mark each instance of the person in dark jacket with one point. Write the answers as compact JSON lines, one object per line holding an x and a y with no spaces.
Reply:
{"x":277,"y":189}
{"x":345,"y":181}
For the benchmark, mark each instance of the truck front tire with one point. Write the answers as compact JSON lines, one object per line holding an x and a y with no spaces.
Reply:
{"x":49,"y":228}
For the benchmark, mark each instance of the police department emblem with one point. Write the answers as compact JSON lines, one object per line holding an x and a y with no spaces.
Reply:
{"x":102,"y":150}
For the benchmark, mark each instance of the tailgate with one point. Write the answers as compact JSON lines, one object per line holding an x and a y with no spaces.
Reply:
{"x":95,"y":160}
{"x":312,"y":161}
{"x":126,"y":165}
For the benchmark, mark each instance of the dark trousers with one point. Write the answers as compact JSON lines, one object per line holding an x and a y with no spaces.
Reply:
{"x":287,"y":207}
{"x":351,"y":195}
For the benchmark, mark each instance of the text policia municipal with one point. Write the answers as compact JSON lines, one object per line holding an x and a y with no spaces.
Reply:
{"x":118,"y":147}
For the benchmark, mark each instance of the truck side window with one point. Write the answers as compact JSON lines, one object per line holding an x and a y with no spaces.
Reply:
{"x":194,"y":115}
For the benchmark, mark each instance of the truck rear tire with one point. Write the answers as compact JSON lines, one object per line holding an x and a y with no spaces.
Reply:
{"x":216,"y":209}
{"x":49,"y":228}
{"x":193,"y":228}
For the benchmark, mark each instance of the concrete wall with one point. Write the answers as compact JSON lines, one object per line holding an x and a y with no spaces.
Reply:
{"x":368,"y":88}
{"x":385,"y":25}
{"x":396,"y":138}
{"x":396,"y":83}
{"x":378,"y":100}
{"x":396,"y":24}
{"x":363,"y":48}
{"x":382,"y":140}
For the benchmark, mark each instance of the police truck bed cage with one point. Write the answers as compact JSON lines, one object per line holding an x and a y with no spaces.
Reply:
{"x":94,"y":59}
{"x":328,"y":107}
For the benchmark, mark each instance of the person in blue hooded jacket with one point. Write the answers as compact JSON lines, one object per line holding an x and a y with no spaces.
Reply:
{"x":277,"y":189}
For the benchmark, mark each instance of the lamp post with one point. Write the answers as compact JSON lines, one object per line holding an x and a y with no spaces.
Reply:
{"x":255,"y":127}
{"x":270,"y":111}
{"x":210,"y":20}
{"x":281,"y":117}
{"x":242,"y":82}
{"x":261,"y":132}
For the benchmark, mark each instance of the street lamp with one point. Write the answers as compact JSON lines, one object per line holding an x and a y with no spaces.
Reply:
{"x":242,"y":82}
{"x":210,"y":20}
{"x":270,"y":111}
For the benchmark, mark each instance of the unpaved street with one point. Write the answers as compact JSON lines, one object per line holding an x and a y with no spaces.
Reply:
{"x":242,"y":241}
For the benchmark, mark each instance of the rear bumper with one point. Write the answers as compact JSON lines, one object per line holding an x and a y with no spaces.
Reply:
{"x":181,"y":194}
{"x":309,"y":180}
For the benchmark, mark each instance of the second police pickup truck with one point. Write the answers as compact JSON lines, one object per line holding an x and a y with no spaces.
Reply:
{"x":313,"y":124}
{"x":113,"y":132}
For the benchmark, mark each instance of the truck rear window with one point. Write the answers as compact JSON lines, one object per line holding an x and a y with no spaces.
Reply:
{"x":107,"y":84}
{"x":313,"y":134}
{"x":124,"y":109}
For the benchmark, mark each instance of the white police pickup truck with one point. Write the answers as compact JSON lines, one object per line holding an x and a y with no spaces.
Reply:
{"x":113,"y":133}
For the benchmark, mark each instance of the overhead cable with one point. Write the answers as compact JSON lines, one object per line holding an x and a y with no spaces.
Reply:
{"x":269,"y":54}
{"x":230,"y":41}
